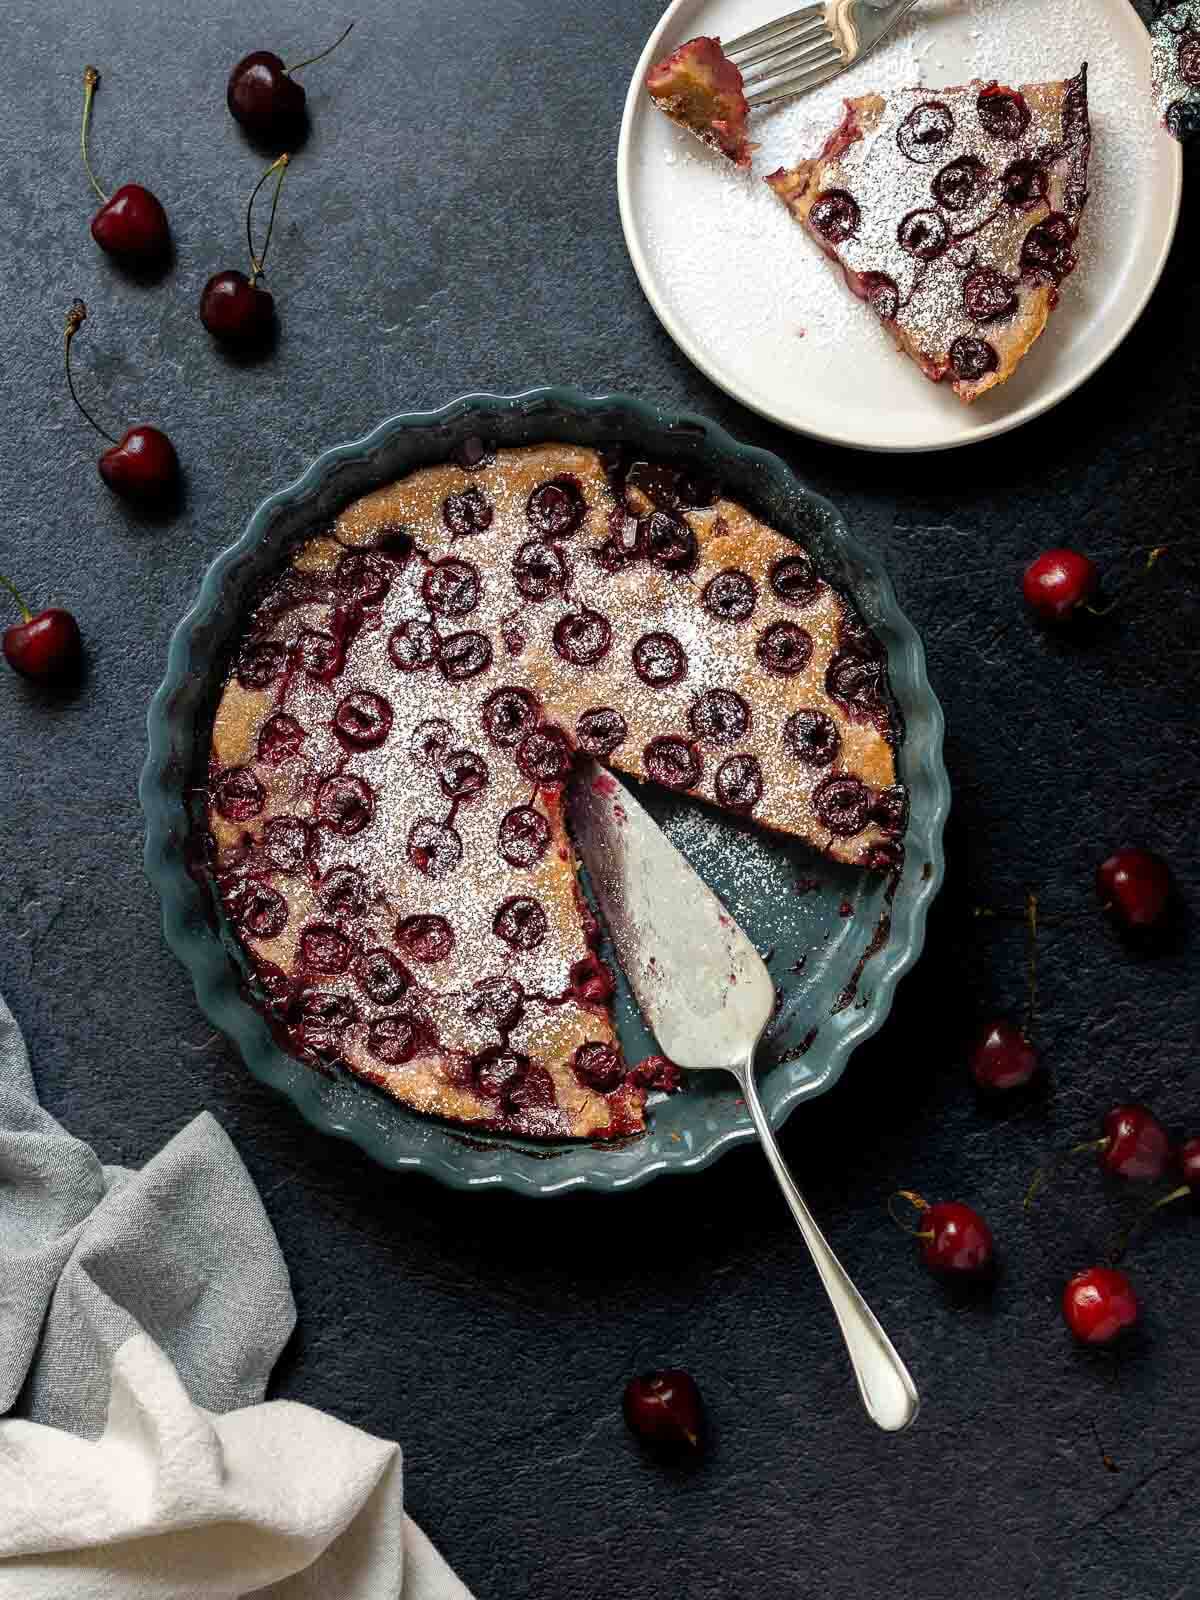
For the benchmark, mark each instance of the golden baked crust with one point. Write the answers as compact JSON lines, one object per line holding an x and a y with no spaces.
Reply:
{"x":698,"y":87}
{"x":954,"y":214}
{"x":390,"y":750}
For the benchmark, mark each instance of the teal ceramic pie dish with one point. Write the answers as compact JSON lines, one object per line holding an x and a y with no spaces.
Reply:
{"x":837,"y":940}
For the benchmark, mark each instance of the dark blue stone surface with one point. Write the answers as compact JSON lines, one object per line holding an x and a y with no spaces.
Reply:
{"x":451,"y":224}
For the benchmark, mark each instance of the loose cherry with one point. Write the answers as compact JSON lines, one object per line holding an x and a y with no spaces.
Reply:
{"x":1002,"y":1057}
{"x":1098,"y":1304}
{"x":265,"y":99}
{"x":1187,"y":1159}
{"x":1058,"y":582}
{"x":1133,"y":1145}
{"x":141,"y":465}
{"x":954,"y":1239}
{"x":43,"y":647}
{"x":1134,"y":888}
{"x":131,"y":223}
{"x":664,"y":1408}
{"x":232,"y":307}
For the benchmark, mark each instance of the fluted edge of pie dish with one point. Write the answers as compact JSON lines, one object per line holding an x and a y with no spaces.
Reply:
{"x":389,"y":1133}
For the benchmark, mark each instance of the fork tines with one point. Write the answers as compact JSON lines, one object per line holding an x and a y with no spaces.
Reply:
{"x":787,"y":56}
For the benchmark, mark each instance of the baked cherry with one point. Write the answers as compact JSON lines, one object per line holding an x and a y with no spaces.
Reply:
{"x":142,"y":465}
{"x":425,"y":938}
{"x":669,"y":542}
{"x":1002,"y":1057}
{"x":238,"y":795}
{"x":463,"y":656}
{"x":258,"y":909}
{"x":600,"y":730}
{"x":362,"y":720}
{"x":523,"y":836}
{"x":882,"y":294}
{"x":520,"y":922}
{"x":1048,"y":255}
{"x":812,"y":738}
{"x":556,"y":508}
{"x":598,"y":1066}
{"x":658,"y":660}
{"x":265,"y":99}
{"x":954,"y":1239}
{"x":784,"y":648}
{"x":592,"y":982}
{"x":843,"y":804}
{"x":973,"y":359}
{"x":508,"y":714}
{"x":657,"y":1072}
{"x":731,"y":596}
{"x":988,"y":296}
{"x":1003,"y":113}
{"x":381,"y":977}
{"x":664,"y":1408}
{"x":413,"y":646}
{"x":324,"y":949}
{"x":1098,"y":1304}
{"x":394,"y":1039}
{"x":835,"y":215}
{"x":131,"y":223}
{"x":344,"y":893}
{"x":545,"y":754}
{"x":582,"y":637}
{"x":431,"y":740}
{"x":719,"y":716}
{"x":260,"y":663}
{"x":280,"y":738}
{"x":672,"y":762}
{"x":739,"y":783}
{"x":434,"y":848}
{"x":539,"y":569}
{"x":923,"y":134}
{"x":466,"y":512}
{"x":345,"y":804}
{"x":1134,"y":887}
{"x":361,"y":578}
{"x":924,"y":234}
{"x":234,"y":308}
{"x":1024,"y":184}
{"x":1058,"y":582}
{"x":794,"y":580}
{"x":288,"y":843}
{"x":960,"y":183}
{"x":44,"y":647}
{"x":452,"y":587}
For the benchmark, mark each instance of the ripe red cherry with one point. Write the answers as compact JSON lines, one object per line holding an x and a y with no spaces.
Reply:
{"x":265,"y":99}
{"x":43,"y":647}
{"x":1098,"y":1303}
{"x":131,"y":223}
{"x":1135,"y":1143}
{"x":1134,"y":888}
{"x":954,"y":1239}
{"x":233,"y":307}
{"x":1058,"y":582}
{"x":141,"y":465}
{"x":1002,"y":1057}
{"x":664,"y":1408}
{"x":1189,"y":1164}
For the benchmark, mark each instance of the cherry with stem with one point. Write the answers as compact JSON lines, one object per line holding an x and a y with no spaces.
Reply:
{"x":233,"y":307}
{"x":1188,"y":1162}
{"x":1133,"y":1145}
{"x":954,"y":1239}
{"x":45,"y":647}
{"x":264,"y":97}
{"x":131,"y":223}
{"x":141,"y":466}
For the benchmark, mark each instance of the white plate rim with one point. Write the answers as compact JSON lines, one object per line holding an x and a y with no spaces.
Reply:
{"x":678,"y":330}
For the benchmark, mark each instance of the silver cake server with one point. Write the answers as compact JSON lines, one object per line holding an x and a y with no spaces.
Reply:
{"x":707,"y":997}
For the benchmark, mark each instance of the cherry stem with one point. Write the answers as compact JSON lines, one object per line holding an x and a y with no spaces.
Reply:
{"x":26,"y":614}
{"x":919,"y":1205}
{"x":1043,"y":1174}
{"x":1031,"y":920}
{"x":91,"y":79}
{"x":257,"y":263}
{"x":321,"y":55}
{"x":76,"y":317}
{"x":1156,"y":553}
{"x":1125,"y":1239}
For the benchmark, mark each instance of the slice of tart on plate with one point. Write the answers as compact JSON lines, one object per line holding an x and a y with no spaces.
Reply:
{"x":698,"y":87}
{"x":954,"y":215}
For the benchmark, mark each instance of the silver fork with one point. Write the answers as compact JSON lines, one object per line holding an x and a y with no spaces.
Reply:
{"x":808,"y":47}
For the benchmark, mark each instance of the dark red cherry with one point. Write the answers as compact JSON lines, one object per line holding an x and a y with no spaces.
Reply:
{"x":1135,"y":1144}
{"x":260,"y":662}
{"x":583,"y":637}
{"x":669,"y":542}
{"x":413,"y":646}
{"x":730,"y":596}
{"x":452,"y":587}
{"x":464,"y":655}
{"x":462,"y":774}
{"x":236,"y":311}
{"x":502,"y":999}
{"x":719,"y":716}
{"x":365,"y":580}
{"x":835,"y":215}
{"x":592,"y":982}
{"x":657,"y":1072}
{"x":664,"y":1408}
{"x":259,"y":910}
{"x":508,"y":714}
{"x":434,"y":848}
{"x":1002,"y":1057}
{"x":924,"y":133}
{"x":394,"y":1039}
{"x":843,"y":804}
{"x":973,"y":359}
{"x":318,"y":654}
{"x":324,"y":948}
{"x":924,"y":234}
{"x":794,"y":580}
{"x":381,"y":977}
{"x":988,"y":296}
{"x":1098,"y":1303}
{"x":1024,"y":183}
{"x":784,"y":648}
{"x":1003,"y":113}
{"x":856,"y":682}
{"x":468,"y":511}
{"x":280,"y":738}
{"x":1047,"y":255}
{"x":141,"y":466}
{"x":45,"y":647}
{"x":658,"y":660}
{"x":1058,"y":582}
{"x":960,"y":183}
{"x":132,"y":225}
{"x":523,"y":836}
{"x":344,"y":893}
{"x":345,"y":804}
{"x":430,"y":740}
{"x":600,"y":730}
{"x":812,"y":738}
{"x":556,"y":508}
{"x":739,"y":783}
{"x":288,"y":843}
{"x":539,"y":569}
{"x":425,"y":938}
{"x":474,"y":453}
{"x":598,"y":1066}
{"x":1188,"y":57}
{"x":672,"y":762}
{"x":882,"y":294}
{"x":520,"y":922}
{"x":545,"y":754}
{"x":1134,"y":888}
{"x":954,"y":1239}
{"x":362,"y":720}
{"x":264,"y":99}
{"x":238,"y":795}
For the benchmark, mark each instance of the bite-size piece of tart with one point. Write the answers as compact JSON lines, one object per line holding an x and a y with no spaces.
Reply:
{"x":954,"y":214}
{"x":698,"y":87}
{"x":407,"y":701}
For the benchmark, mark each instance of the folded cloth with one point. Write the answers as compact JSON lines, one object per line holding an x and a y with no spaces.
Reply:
{"x":140,"y":1316}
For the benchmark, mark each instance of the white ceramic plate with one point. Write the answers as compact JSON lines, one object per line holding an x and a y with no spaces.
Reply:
{"x":747,"y":296}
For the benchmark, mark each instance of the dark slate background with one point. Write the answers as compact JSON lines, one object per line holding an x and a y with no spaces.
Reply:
{"x":452,"y":225}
